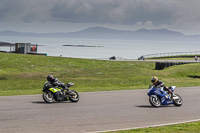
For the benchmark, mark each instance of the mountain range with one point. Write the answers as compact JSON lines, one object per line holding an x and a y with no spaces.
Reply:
{"x":107,"y":33}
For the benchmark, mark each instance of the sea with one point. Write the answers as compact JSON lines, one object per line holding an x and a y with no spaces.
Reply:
{"x":101,"y":48}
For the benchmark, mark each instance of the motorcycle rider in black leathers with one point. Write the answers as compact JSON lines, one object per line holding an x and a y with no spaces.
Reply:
{"x":158,"y":83}
{"x":54,"y":82}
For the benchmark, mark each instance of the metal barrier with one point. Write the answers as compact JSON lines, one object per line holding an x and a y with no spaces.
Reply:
{"x":172,"y":54}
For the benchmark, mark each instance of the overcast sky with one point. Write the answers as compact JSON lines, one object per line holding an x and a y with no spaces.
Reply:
{"x":73,"y":15}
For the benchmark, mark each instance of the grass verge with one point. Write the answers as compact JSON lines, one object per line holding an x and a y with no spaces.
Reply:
{"x":192,"y":127}
{"x":25,"y":74}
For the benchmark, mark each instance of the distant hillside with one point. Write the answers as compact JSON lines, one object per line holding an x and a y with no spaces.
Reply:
{"x":106,"y":33}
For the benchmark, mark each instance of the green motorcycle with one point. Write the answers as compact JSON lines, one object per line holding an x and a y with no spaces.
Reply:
{"x":53,"y":94}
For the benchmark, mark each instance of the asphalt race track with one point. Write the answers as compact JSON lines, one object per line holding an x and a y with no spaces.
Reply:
{"x":96,"y":111}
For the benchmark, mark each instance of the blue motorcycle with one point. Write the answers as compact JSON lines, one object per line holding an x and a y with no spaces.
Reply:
{"x":158,"y":97}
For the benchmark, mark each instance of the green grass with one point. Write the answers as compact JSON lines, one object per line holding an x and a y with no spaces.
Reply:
{"x":193,"y":127}
{"x":25,"y":74}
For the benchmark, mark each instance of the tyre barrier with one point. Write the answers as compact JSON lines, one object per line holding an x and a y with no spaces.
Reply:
{"x":162,"y":65}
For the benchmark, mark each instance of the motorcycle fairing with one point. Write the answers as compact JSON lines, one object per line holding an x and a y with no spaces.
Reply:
{"x":164,"y":97}
{"x":172,"y":88}
{"x":54,"y":90}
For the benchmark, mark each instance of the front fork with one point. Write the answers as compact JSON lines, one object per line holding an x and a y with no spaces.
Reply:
{"x":50,"y":95}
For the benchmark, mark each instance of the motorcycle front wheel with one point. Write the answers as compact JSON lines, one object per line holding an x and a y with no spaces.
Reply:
{"x":154,"y":101}
{"x":48,"y":97}
{"x":177,"y":100}
{"x":75,"y":97}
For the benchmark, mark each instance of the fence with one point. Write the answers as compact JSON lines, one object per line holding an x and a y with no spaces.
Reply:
{"x":172,"y":54}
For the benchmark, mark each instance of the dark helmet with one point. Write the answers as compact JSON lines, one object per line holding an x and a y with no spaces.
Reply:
{"x":50,"y":78}
{"x":154,"y":80}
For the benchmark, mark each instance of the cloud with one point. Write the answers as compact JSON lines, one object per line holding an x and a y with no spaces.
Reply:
{"x":113,"y":11}
{"x":8,"y":9}
{"x":25,"y":10}
{"x":151,"y":13}
{"x":95,"y":11}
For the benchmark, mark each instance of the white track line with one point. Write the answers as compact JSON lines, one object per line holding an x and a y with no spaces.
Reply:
{"x":146,"y":126}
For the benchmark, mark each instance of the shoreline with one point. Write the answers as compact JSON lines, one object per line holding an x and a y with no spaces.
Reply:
{"x":81,"y":46}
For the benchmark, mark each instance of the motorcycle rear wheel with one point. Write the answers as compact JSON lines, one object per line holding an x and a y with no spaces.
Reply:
{"x":179,"y":101}
{"x":154,"y":101}
{"x":48,"y":97}
{"x":74,"y":98}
